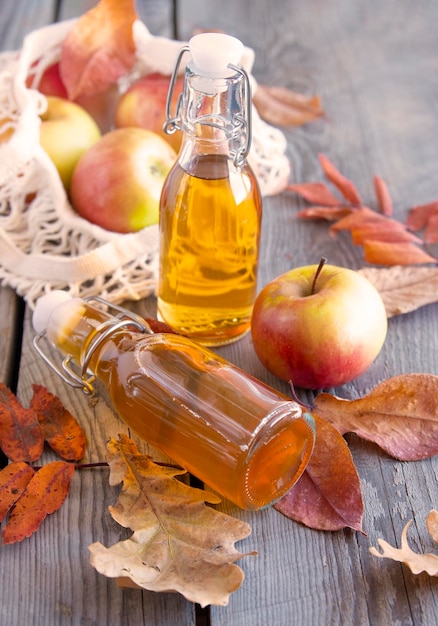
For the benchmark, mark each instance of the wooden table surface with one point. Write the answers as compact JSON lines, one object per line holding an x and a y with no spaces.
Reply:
{"x":375,"y":66}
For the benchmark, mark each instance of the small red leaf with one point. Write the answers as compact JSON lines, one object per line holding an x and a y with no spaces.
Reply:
{"x":60,"y":429}
{"x":358,"y":216}
{"x":317,"y":193}
{"x":431,"y":230}
{"x":328,"y":213}
{"x":392,"y":231}
{"x":383,"y":196}
{"x":419,"y":215}
{"x":345,"y":186}
{"x":44,"y":494}
{"x":13,"y":481}
{"x":21,"y":438}
{"x":328,"y":495}
{"x":387,"y":253}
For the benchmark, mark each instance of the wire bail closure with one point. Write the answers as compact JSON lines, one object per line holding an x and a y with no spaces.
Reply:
{"x":82,"y":379}
{"x":242,"y":124}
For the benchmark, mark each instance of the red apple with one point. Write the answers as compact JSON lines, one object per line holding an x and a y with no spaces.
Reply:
{"x":144,"y":105}
{"x":67,"y":131}
{"x":101,"y":106}
{"x":319,"y":331}
{"x":117,"y":183}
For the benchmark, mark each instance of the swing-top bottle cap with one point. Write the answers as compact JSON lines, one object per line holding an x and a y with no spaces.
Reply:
{"x":213,"y":52}
{"x":45,"y":306}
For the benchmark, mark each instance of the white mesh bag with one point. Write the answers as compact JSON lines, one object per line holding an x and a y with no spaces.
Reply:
{"x":44,"y":244}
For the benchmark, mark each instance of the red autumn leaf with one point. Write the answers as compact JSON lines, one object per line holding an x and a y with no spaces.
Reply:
{"x":21,"y":438}
{"x":13,"y":481}
{"x":44,"y":494}
{"x":431,"y":230}
{"x":419,"y":215}
{"x":99,"y":48}
{"x":391,"y":231}
{"x":60,"y":429}
{"x":282,"y":107}
{"x":331,"y":214}
{"x":358,"y":217}
{"x":383,"y":196}
{"x":400,"y":415}
{"x":328,"y":495}
{"x":345,"y":186}
{"x":317,"y":193}
{"x":392,"y":253}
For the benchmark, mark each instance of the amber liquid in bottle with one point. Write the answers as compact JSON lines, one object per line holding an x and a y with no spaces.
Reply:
{"x":210,"y":228}
{"x":233,"y":432}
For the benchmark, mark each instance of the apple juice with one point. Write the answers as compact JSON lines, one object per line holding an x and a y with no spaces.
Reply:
{"x":210,"y":227}
{"x":210,"y":207}
{"x":238,"y":435}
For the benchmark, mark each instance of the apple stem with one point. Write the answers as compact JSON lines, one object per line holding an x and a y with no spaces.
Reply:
{"x":307,"y":406}
{"x":322,"y":262}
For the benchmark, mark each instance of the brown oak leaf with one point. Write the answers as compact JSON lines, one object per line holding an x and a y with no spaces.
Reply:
{"x":416,"y":562}
{"x":99,"y":48}
{"x":179,"y":543}
{"x":400,"y":415}
{"x":282,"y":107}
{"x":328,"y":494}
{"x":404,"y":289}
{"x":44,"y":494}
{"x":60,"y":429}
{"x":21,"y":438}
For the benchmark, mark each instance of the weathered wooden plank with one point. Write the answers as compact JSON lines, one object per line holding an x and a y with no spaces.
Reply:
{"x":372,"y":66}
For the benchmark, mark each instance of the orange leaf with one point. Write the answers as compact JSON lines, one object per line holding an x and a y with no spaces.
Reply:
{"x":328,"y":495}
{"x":358,"y":216}
{"x":386,"y":253}
{"x":13,"y":481}
{"x":283,"y":107}
{"x":383,"y":197}
{"x":381,"y":231}
{"x":345,"y":186}
{"x":60,"y":429}
{"x":419,"y":215}
{"x":400,"y":415}
{"x":99,"y":48}
{"x":328,"y":213}
{"x":317,"y":193}
{"x":44,"y":494}
{"x":431,"y":230}
{"x":21,"y":438}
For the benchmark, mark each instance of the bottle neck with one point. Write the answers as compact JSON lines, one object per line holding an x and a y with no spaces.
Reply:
{"x":213,"y":116}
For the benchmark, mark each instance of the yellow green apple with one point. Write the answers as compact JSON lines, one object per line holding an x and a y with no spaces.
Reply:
{"x":66,"y":132}
{"x":318,"y":326}
{"x":117,"y":183}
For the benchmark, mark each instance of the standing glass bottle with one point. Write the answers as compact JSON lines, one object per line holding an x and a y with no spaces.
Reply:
{"x":210,"y":213}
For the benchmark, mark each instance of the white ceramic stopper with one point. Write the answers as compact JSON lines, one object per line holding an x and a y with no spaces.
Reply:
{"x":212,"y":52}
{"x":45,"y":306}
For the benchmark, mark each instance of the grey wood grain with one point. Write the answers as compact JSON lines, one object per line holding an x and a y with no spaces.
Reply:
{"x":375,"y":65}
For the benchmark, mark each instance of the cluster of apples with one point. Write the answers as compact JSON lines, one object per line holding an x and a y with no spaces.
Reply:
{"x":110,"y":150}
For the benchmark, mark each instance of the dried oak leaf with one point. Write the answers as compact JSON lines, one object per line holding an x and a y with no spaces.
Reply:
{"x":282,"y":107}
{"x":178,"y":544}
{"x":417,"y":563}
{"x":404,"y":289}
{"x":60,"y":429}
{"x":400,"y":415}
{"x":99,"y":48}
{"x":328,"y":495}
{"x":13,"y":481}
{"x":21,"y":438}
{"x":44,"y":494}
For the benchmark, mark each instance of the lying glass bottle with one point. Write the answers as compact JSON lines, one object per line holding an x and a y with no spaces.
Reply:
{"x":239,"y":436}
